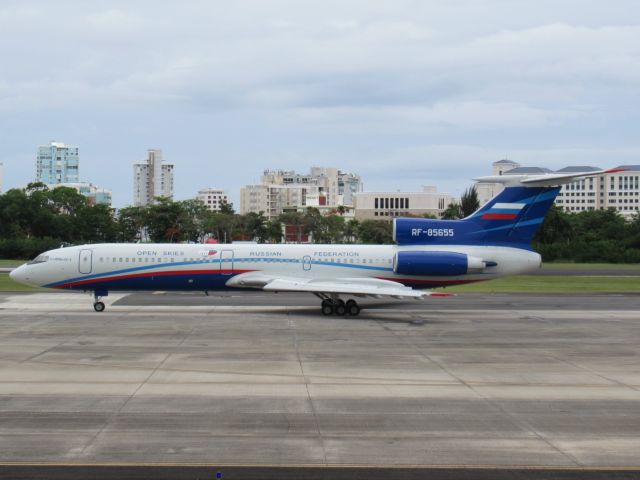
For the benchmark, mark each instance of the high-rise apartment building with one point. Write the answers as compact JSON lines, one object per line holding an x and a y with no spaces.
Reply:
{"x":280,"y":190}
{"x":57,"y":163}
{"x":152,"y":178}
{"x":213,"y":198}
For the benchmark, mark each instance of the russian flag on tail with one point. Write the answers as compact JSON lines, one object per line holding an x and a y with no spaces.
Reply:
{"x":503,"y":211}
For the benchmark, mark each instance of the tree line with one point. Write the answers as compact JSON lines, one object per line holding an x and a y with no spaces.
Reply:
{"x":36,"y":219}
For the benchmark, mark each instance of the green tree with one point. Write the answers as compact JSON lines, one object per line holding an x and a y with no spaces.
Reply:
{"x":227,"y":208}
{"x":375,"y":232}
{"x":192,"y":220}
{"x":252,"y":226}
{"x":131,"y":223}
{"x":469,"y":202}
{"x":555,"y":228}
{"x":351,"y":228}
{"x":165,"y":220}
{"x":273,"y":231}
{"x":452,"y":212}
{"x":220,"y":226}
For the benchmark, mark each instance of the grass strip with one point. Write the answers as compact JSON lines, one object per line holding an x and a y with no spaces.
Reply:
{"x":590,"y":266}
{"x":553,"y":284}
{"x":11,"y":263}
{"x":8,"y":285}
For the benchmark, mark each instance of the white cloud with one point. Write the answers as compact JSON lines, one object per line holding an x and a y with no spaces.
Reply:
{"x":474,"y":115}
{"x":359,"y":83}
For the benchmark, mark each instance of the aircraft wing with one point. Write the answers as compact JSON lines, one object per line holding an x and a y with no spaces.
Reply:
{"x":360,"y":287}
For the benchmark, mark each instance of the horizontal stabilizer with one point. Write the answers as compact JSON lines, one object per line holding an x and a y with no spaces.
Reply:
{"x":542,"y":180}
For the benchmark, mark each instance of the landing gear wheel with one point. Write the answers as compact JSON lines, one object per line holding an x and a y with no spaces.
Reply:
{"x":353,"y":308}
{"x":327,"y":307}
{"x":340,"y":308}
{"x":98,"y":307}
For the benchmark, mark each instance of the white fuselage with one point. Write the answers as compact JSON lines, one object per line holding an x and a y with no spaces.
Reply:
{"x":111,"y":267}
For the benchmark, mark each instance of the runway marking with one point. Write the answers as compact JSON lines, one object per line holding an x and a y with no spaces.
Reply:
{"x":390,"y":466}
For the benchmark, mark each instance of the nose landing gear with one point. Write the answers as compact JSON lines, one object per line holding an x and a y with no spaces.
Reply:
{"x":336,"y":306}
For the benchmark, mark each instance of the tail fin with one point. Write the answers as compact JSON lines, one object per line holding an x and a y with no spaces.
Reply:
{"x":511,"y":218}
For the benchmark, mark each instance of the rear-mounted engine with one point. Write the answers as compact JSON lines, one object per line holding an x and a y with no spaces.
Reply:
{"x":437,"y":263}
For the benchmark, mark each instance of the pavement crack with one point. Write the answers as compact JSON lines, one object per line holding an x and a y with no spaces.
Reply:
{"x":292,"y":327}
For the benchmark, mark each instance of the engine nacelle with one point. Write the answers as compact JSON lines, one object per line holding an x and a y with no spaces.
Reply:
{"x":436,"y":263}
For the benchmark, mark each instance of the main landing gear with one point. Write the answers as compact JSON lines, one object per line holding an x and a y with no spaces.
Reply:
{"x":98,"y":305}
{"x":336,"y":306}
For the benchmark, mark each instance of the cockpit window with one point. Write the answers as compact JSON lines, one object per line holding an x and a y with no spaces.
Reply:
{"x":39,"y":259}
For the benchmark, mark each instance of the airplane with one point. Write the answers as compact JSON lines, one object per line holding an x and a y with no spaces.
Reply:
{"x":493,"y":242}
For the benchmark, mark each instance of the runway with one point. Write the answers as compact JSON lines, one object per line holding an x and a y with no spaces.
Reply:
{"x":471,"y":383}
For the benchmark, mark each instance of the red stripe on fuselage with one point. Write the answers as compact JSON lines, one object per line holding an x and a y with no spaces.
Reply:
{"x":151,"y":274}
{"x":499,"y":216}
{"x":427,"y":283}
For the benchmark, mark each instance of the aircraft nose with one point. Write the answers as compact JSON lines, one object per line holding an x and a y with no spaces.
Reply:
{"x":17,"y":275}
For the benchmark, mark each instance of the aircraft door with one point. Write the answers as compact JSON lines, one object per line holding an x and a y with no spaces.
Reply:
{"x":84,"y":261}
{"x":226,"y":262}
{"x":306,"y":262}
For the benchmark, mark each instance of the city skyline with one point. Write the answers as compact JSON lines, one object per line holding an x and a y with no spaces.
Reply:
{"x":403,"y":93}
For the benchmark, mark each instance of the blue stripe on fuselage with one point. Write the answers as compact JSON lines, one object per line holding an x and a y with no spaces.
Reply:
{"x":162,"y":268}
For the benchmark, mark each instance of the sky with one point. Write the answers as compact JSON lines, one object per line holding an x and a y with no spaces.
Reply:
{"x":405,"y":92}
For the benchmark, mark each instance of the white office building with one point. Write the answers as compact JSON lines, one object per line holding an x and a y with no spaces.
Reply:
{"x":152,"y":178}
{"x":618,"y":190}
{"x":282,"y":190}
{"x":213,"y":198}
{"x":388,"y":205}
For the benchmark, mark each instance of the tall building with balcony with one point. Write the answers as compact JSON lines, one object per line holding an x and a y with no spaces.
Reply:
{"x":282,"y":190}
{"x":213,"y":198}
{"x":57,"y":163}
{"x":152,"y":178}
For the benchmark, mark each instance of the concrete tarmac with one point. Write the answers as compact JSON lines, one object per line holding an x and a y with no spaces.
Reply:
{"x":472,"y":383}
